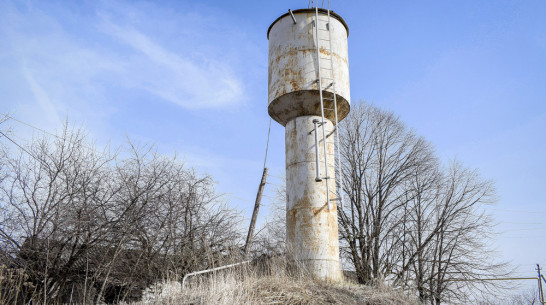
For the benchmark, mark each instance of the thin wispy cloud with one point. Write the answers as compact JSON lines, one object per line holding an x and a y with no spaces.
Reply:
{"x":41,"y":96}
{"x":185,"y":82}
{"x":89,"y":63}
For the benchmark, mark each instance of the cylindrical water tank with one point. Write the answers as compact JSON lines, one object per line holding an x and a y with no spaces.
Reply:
{"x":293,"y":68}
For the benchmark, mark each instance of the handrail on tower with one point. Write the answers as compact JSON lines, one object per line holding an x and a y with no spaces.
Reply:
{"x":322,"y":98}
{"x":322,"y":110}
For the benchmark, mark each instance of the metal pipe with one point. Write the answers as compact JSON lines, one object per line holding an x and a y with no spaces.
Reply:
{"x":492,"y":279}
{"x":317,"y":178}
{"x":340,"y":175}
{"x":292,"y":15}
{"x":210,"y":270}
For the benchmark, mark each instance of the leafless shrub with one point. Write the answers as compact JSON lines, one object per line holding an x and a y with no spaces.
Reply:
{"x":89,"y":226}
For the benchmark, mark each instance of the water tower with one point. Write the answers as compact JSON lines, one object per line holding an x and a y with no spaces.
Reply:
{"x":309,"y":94}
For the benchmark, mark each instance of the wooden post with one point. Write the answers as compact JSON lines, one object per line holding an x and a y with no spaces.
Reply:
{"x":255,"y":213}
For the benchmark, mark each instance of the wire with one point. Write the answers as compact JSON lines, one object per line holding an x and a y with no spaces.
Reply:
{"x":519,"y":211}
{"x":102,"y":153}
{"x":492,"y":279}
{"x":522,"y":223}
{"x":20,"y":147}
{"x":278,"y":177}
{"x":24,"y":149}
{"x":239,"y":198}
{"x":27,"y":124}
{"x":270,"y":197}
{"x":524,"y":236}
{"x":274,"y":184}
{"x":267,"y":144}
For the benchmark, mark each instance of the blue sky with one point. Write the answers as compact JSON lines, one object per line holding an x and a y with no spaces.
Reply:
{"x":470,"y":76}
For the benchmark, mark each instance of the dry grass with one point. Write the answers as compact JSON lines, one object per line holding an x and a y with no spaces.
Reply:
{"x":273,"y":284}
{"x":15,"y":285}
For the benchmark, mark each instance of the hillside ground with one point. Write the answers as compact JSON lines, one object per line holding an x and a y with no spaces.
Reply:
{"x":274,"y":283}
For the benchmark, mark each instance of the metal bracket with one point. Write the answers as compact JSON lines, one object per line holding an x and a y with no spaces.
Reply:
{"x":292,"y":15}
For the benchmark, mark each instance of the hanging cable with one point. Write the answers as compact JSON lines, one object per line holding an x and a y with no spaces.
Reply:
{"x":267,"y":144}
{"x":102,"y":153}
{"x":29,"y":125}
{"x":24,"y":149}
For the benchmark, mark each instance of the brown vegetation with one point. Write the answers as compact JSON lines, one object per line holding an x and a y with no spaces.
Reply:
{"x":277,"y":283}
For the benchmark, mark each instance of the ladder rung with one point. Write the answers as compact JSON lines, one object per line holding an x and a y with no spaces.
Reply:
{"x":329,"y":109}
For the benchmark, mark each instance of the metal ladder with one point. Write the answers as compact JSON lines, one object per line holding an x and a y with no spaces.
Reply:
{"x":332,"y":84}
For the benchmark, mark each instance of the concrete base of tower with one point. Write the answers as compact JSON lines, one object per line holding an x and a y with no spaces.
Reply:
{"x":311,"y":223}
{"x":321,"y":270}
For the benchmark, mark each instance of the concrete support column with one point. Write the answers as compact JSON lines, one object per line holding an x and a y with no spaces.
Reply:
{"x":312,"y":229}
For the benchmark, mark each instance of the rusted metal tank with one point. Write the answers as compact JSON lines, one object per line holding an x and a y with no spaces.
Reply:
{"x":294,"y":102}
{"x":293,"y":68}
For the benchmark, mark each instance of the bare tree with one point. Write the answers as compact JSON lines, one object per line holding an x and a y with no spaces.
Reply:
{"x":379,"y":155}
{"x":92,"y":226}
{"x":50,"y":199}
{"x":458,"y":257}
{"x":405,"y":218}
